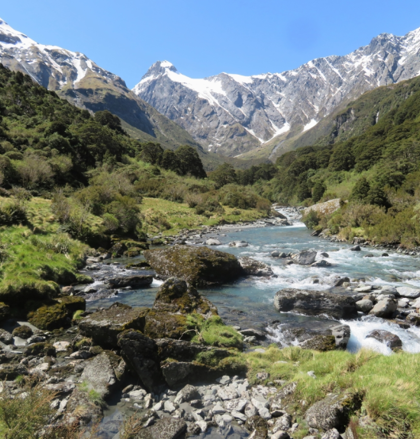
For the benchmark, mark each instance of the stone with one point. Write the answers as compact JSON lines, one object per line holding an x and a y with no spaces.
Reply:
{"x":187,"y":393}
{"x":320,"y":264}
{"x":138,"y":281}
{"x":9,"y":372}
{"x":104,"y":326}
{"x":99,"y":375}
{"x":369,"y":255}
{"x":168,"y":407}
{"x":283,"y":423}
{"x":280,"y":435}
{"x":51,"y":317}
{"x":364,"y":305}
{"x":6,"y":337}
{"x":253,"y":267}
{"x":212,"y":241}
{"x":332,"y":411}
{"x":23,"y":331}
{"x":342,"y":336}
{"x":322,"y":343}
{"x":238,"y":244}
{"x":341,"y":281}
{"x":40,"y":349}
{"x":355,"y":248}
{"x":315,"y":303}
{"x":306,"y":257}
{"x":388,"y":338}
{"x":251,"y":332}
{"x":275,"y":254}
{"x":413,"y":318}
{"x":276,"y":401}
{"x":61,"y":346}
{"x":258,"y":426}
{"x":412,"y":293}
{"x":363,"y":289}
{"x":250,"y":410}
{"x":165,"y":428}
{"x":140,"y":353}
{"x":199,"y":266}
{"x":385,"y":308}
{"x":331,"y":434}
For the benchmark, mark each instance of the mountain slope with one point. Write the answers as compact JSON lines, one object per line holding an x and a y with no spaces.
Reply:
{"x":78,"y":79}
{"x":234,"y":114}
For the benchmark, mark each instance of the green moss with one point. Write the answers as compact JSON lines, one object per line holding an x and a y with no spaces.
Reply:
{"x":41,"y":349}
{"x":50,"y":317}
{"x":166,"y":325}
{"x":73,"y":303}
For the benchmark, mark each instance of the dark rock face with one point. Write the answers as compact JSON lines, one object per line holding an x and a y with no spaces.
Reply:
{"x":104,"y":326}
{"x":4,"y":311}
{"x":388,"y":338}
{"x":252,"y":267}
{"x":138,"y":281}
{"x":140,"y":353}
{"x":166,"y":428}
{"x":306,"y":257}
{"x":315,"y":303}
{"x":332,"y":411}
{"x":199,"y":266}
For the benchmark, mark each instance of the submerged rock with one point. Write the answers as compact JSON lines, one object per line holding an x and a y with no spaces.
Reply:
{"x":238,"y":244}
{"x":315,"y":303}
{"x":253,"y":267}
{"x":199,"y":266}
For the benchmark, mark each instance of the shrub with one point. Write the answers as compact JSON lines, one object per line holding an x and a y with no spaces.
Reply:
{"x":311,"y":220}
{"x":12,"y":212}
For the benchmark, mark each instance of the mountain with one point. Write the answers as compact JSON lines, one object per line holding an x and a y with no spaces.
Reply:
{"x":264,"y":114}
{"x":78,"y":79}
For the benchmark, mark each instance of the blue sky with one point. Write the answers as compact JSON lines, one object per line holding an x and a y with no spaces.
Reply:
{"x":202,"y":38}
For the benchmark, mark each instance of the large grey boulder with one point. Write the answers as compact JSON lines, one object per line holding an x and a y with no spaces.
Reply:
{"x":199,"y":266}
{"x":253,"y":267}
{"x":409,"y":292}
{"x":306,"y":257}
{"x":364,"y":305}
{"x":388,"y":338}
{"x":105,"y":325}
{"x":332,"y":411}
{"x":138,"y":281}
{"x":315,"y":303}
{"x":99,"y":375}
{"x":384,"y":308}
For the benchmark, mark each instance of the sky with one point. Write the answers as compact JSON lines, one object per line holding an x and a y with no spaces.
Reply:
{"x":203,"y":38}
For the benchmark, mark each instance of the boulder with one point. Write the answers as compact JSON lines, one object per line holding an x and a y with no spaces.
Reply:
{"x":321,"y":264}
{"x":238,"y":244}
{"x":141,"y":355}
{"x":409,"y":292}
{"x":50,"y":317}
{"x":99,"y":375}
{"x":385,"y":308}
{"x":212,"y":241}
{"x":105,"y":325}
{"x":199,"y":266}
{"x":187,"y":393}
{"x":388,"y":338}
{"x":332,"y":411}
{"x":355,"y":248}
{"x":341,"y":334}
{"x":306,"y":257}
{"x":5,"y":336}
{"x":364,"y":305}
{"x":23,"y":332}
{"x":341,"y":281}
{"x":160,"y":324}
{"x":72,"y":304}
{"x":315,"y":303}
{"x":165,"y":428}
{"x":252,"y":267}
{"x":9,"y":372}
{"x":138,"y":281}
{"x":40,"y":349}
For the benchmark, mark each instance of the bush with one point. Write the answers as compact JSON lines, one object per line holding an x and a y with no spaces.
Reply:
{"x":311,"y":220}
{"x":12,"y":212}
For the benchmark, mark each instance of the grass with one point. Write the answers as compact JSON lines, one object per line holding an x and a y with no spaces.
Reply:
{"x":169,"y":217}
{"x":390,"y":384}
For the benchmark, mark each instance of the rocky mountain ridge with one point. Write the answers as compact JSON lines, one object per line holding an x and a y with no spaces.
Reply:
{"x":234,"y":114}
{"x":75,"y":77}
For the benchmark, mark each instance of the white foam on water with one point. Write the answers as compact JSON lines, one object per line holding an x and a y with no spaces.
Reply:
{"x":276,"y":335}
{"x":361,"y":328}
{"x":156,"y":283}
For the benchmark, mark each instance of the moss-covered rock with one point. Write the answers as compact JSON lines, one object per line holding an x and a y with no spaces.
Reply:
{"x":142,"y":265}
{"x":199,"y":266}
{"x":73,"y":303}
{"x":322,"y":343}
{"x":41,"y":350}
{"x":120,"y":248}
{"x":132,"y":252}
{"x":166,"y":325}
{"x":4,"y":311}
{"x":23,"y":331}
{"x":105,"y":325}
{"x":50,"y":317}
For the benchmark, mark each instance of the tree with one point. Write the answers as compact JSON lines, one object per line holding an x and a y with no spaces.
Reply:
{"x":106,"y":118}
{"x":190,"y":162}
{"x":377,"y":197}
{"x":318,"y":191}
{"x":224,"y":174}
{"x":170,"y":161}
{"x":152,"y":153}
{"x":360,"y":190}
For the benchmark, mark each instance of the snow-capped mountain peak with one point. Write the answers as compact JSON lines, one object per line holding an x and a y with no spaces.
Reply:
{"x":232,"y":113}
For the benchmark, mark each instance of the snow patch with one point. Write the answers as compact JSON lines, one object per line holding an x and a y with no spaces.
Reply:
{"x":310,"y":125}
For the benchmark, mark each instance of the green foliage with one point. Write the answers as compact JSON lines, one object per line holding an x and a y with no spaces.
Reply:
{"x":190,"y":162}
{"x":311,"y":220}
{"x":224,"y":174}
{"x":360,"y":190}
{"x":318,"y":191}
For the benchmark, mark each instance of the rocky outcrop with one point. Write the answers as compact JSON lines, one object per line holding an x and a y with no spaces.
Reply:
{"x":253,"y":267}
{"x":315,"y":303}
{"x":105,"y":325}
{"x":326,"y":208}
{"x":199,"y":266}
